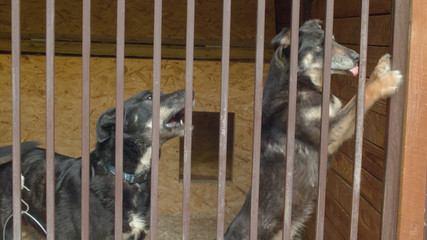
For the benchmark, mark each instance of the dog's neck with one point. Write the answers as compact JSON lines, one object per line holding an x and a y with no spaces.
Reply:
{"x":136,"y":160}
{"x":280,"y":67}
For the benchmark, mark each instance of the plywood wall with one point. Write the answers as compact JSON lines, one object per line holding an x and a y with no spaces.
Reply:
{"x":138,"y":76}
{"x":340,"y":177}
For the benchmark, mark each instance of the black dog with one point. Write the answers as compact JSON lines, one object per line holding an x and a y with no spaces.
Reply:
{"x":383,"y":83}
{"x":136,"y":167}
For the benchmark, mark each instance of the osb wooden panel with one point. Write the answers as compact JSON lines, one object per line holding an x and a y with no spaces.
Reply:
{"x":139,"y":20}
{"x":138,"y":76}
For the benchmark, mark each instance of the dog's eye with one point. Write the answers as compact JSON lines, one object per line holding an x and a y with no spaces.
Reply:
{"x":150,"y":97}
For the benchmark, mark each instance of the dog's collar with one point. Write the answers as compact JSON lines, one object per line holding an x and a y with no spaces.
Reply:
{"x":130,"y":178}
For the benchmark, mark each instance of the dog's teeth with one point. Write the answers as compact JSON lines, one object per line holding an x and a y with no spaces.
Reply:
{"x":181,"y":122}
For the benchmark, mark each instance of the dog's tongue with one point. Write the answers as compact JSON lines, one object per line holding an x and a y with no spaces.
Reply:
{"x":354,"y":70}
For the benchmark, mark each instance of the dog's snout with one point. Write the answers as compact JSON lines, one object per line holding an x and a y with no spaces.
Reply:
{"x":355,"y":56}
{"x":183,"y":93}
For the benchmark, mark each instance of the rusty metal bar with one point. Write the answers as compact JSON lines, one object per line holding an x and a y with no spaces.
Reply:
{"x":222,"y":165}
{"x":324,"y":131}
{"x":118,"y":212}
{"x":256,"y":151}
{"x":359,"y":119}
{"x":155,"y":147}
{"x":189,"y":57}
{"x":85,"y":120}
{"x":50,"y":119}
{"x":401,"y":14}
{"x":290,"y":143}
{"x":16,"y":118}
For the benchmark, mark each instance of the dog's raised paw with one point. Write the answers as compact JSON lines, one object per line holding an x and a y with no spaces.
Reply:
{"x":389,"y":83}
{"x":384,"y":65}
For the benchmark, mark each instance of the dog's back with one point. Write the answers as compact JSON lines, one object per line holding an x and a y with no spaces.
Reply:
{"x":6,"y":151}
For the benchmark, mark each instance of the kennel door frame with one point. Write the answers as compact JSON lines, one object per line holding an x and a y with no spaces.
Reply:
{"x":411,"y":218}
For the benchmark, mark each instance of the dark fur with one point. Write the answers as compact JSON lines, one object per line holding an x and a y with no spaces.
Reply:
{"x":307,"y":134}
{"x":136,"y":160}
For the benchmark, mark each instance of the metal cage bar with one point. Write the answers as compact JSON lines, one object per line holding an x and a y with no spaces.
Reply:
{"x":16,"y":118}
{"x":290,"y":133}
{"x":256,"y":149}
{"x":359,"y":119}
{"x":324,"y":131}
{"x":157,"y":44}
{"x":50,"y":119}
{"x":222,"y":162}
{"x":118,"y":204}
{"x":189,"y":57}
{"x":85,"y":120}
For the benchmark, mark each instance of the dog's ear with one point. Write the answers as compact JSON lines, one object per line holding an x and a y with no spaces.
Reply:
{"x":282,"y":39}
{"x":312,"y":24}
{"x":106,"y":125}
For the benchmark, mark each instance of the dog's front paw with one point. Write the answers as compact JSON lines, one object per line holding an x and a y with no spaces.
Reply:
{"x":383,"y":67}
{"x":385,"y":85}
{"x":383,"y":82}
{"x":389,"y":82}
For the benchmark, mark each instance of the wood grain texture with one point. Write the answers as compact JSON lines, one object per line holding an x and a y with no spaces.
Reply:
{"x":350,"y":8}
{"x":341,"y":220}
{"x":331,"y":232}
{"x":341,"y":191}
{"x":414,"y":165}
{"x":139,"y":21}
{"x":371,"y":187}
{"x":347,"y":30}
{"x":373,"y":157}
{"x":209,"y":52}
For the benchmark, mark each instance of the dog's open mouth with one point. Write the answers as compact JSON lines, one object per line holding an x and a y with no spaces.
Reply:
{"x":176,"y":120}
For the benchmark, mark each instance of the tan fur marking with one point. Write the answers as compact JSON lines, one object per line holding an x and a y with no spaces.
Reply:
{"x":315,"y":76}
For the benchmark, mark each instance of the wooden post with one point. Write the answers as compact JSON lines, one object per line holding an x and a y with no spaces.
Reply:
{"x":414,"y":163}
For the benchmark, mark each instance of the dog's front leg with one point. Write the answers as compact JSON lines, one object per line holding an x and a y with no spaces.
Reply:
{"x":382,"y":83}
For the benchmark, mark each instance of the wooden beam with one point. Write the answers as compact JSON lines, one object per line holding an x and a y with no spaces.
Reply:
{"x":209,"y":52}
{"x":414,"y":165}
{"x":350,"y":8}
{"x":139,"y":20}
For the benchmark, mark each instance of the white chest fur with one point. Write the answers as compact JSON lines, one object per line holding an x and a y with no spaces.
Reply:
{"x":137,"y":224}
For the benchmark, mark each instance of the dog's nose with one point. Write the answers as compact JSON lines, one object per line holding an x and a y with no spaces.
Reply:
{"x":355,"y":56}
{"x":183,"y":93}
